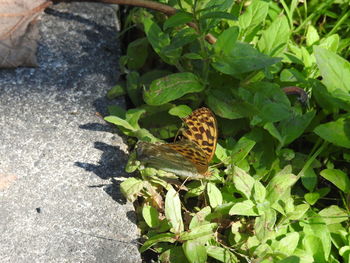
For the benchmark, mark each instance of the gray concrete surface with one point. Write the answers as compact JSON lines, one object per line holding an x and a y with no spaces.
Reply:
{"x":61,"y":204}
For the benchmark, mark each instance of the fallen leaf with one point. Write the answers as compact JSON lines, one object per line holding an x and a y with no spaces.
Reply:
{"x":19,"y":31}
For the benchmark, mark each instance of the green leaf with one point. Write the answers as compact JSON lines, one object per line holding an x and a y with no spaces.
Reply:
{"x":278,"y":186}
{"x":131,"y":188}
{"x":259,"y":192}
{"x":195,"y":252}
{"x":245,"y":208}
{"x":151,"y":216}
{"x":335,"y":70}
{"x":173,"y":211}
{"x":226,"y":39}
{"x":224,"y":105}
{"x":173,"y":255}
{"x":199,"y":231}
{"x":311,"y":36}
{"x":221,"y":254}
{"x":117,"y":91}
{"x":137,"y":53}
{"x":133,"y":88}
{"x":312,"y":198}
{"x":275,"y":38}
{"x":172,"y":87}
{"x":291,"y":259}
{"x":243,"y":182}
{"x":218,"y":15}
{"x":338,"y":178}
{"x":179,"y":19}
{"x":132,"y":116}
{"x":241,"y":58}
{"x":313,"y":246}
{"x":315,"y":226}
{"x":336,"y":132}
{"x":214,"y":195}
{"x":309,"y":179}
{"x":242,"y":148}
{"x":119,"y":122}
{"x":199,"y":218}
{"x":299,"y":212}
{"x":264,"y":225}
{"x":165,"y":237}
{"x":158,"y":39}
{"x":333,"y":215}
{"x":254,"y":15}
{"x":181,"y":111}
{"x":288,"y":244}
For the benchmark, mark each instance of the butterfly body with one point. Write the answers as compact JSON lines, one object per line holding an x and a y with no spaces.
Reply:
{"x":189,"y":156}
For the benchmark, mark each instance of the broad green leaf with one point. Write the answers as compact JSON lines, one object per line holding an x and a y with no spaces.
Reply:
{"x":224,"y":105}
{"x":137,"y":53}
{"x":243,"y":182}
{"x":245,"y":208}
{"x":331,"y":43}
{"x":151,"y":216}
{"x":131,"y":188}
{"x":181,"y":111}
{"x":173,"y":211}
{"x":312,"y":198}
{"x":293,"y":127}
{"x":195,"y":252}
{"x":165,"y":237}
{"x":264,"y":225}
{"x":290,"y":259}
{"x":218,"y":15}
{"x":311,"y":36}
{"x":214,"y":195}
{"x":313,"y":245}
{"x":333,"y":215}
{"x":298,"y":212}
{"x":132,"y":116}
{"x":200,"y":218}
{"x":173,"y":255}
{"x":117,"y":91}
{"x":158,"y":39}
{"x":278,"y":186}
{"x":199,"y":231}
{"x":226,"y":40}
{"x":179,"y":19}
{"x":338,"y":178}
{"x":275,"y":38}
{"x":119,"y":122}
{"x":172,"y":87}
{"x":335,"y":70}
{"x":336,"y":132}
{"x":242,"y":148}
{"x":180,"y":39}
{"x":315,"y":226}
{"x":254,"y":15}
{"x":221,"y":254}
{"x":288,"y":244}
{"x":309,"y":179}
{"x":133,"y":88}
{"x":259,"y":192}
{"x":242,"y":58}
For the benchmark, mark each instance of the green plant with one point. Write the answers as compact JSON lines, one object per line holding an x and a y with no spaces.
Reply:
{"x":281,"y":190}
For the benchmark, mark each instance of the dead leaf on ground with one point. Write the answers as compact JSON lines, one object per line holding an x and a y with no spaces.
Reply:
{"x":19,"y":31}
{"x":6,"y":180}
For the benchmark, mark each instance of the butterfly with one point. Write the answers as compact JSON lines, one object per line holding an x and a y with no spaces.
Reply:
{"x":191,"y":154}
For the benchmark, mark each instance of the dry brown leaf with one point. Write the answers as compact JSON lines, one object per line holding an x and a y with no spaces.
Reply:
{"x":6,"y":180}
{"x":19,"y":31}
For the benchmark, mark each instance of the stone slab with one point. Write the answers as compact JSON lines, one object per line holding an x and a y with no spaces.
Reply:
{"x":60,"y":204}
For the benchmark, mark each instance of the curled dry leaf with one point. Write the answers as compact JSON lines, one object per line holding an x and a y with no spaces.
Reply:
{"x":19,"y":31}
{"x":6,"y":180}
